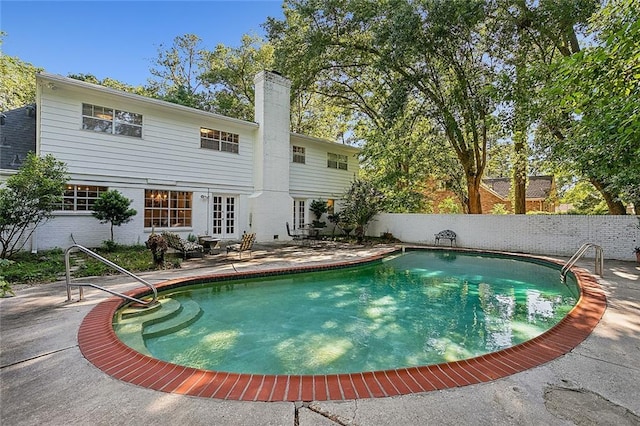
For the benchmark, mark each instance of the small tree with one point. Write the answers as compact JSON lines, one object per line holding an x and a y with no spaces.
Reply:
{"x":362,"y":202}
{"x":318,"y":208}
{"x":28,"y":199}
{"x":113,"y":207}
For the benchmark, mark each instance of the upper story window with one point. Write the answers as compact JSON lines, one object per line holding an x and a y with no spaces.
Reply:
{"x":337,"y":161}
{"x":298,"y":154}
{"x":219,"y":140}
{"x":80,"y":197}
{"x":109,"y":120}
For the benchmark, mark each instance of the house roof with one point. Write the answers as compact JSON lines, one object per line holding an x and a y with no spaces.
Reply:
{"x":537,"y":186}
{"x":17,"y":136}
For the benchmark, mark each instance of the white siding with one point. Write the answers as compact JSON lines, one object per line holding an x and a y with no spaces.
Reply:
{"x":168,"y":157}
{"x":169,"y":149}
{"x":314,"y":179}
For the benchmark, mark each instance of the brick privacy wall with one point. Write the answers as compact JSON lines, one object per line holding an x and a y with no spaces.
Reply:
{"x":553,"y":235}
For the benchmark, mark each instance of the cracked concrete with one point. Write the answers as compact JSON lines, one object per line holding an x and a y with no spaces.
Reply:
{"x":45,"y":380}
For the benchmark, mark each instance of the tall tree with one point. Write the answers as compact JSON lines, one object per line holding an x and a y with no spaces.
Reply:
{"x":594,"y":106}
{"x":230,"y":72}
{"x":178,"y":70}
{"x":529,"y":37}
{"x":431,"y":50}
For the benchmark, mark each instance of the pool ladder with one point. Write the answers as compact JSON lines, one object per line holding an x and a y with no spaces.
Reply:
{"x":599,"y":267}
{"x":67,"y":263}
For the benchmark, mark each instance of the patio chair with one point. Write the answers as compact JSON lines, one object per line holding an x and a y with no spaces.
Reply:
{"x":297,"y":234}
{"x":184,"y":247}
{"x":245,"y":245}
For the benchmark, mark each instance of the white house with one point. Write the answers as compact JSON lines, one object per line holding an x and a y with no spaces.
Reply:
{"x":187,"y":170}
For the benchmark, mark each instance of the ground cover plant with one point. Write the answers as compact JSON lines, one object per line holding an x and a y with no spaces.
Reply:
{"x":48,"y":266}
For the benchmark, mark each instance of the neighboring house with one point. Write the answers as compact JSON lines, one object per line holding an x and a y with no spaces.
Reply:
{"x":187,"y":170}
{"x":540,"y":195}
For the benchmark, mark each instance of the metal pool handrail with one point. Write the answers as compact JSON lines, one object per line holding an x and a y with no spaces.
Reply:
{"x":599,"y":267}
{"x":108,"y":263}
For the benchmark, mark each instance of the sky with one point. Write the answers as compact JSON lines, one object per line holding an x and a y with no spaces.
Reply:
{"x":120,"y":38}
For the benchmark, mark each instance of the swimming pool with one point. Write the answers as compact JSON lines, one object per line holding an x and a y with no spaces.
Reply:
{"x":417,"y":308}
{"x":399,"y":377}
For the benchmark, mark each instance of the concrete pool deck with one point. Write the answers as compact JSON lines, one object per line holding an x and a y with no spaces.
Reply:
{"x":44,"y":379}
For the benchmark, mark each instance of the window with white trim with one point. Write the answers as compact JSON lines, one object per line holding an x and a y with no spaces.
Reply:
{"x":109,"y":120}
{"x":164,"y":209}
{"x":298,"y":154}
{"x":219,"y":140}
{"x":80,"y":197}
{"x":337,"y":161}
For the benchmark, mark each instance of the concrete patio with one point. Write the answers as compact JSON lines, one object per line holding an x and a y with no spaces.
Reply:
{"x":45,"y":380}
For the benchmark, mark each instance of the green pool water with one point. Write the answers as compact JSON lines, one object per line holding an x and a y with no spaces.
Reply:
{"x":418,"y":308}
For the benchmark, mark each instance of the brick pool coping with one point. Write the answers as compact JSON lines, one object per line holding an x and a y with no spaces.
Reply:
{"x":100,"y":346}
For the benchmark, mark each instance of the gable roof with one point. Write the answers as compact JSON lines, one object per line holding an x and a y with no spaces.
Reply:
{"x":17,"y":136}
{"x":537,"y":187}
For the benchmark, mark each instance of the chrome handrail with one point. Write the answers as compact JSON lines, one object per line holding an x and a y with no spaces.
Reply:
{"x":599,"y":258}
{"x":107,"y":262}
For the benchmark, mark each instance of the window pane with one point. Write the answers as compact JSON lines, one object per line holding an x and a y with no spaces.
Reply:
{"x":128,"y":130}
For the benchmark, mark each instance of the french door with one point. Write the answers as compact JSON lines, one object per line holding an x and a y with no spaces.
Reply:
{"x":224,"y":216}
{"x":299,"y":211}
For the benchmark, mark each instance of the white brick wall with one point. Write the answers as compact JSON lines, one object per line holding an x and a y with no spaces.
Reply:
{"x":554,"y":235}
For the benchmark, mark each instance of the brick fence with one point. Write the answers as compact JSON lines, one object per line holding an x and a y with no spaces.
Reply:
{"x":554,"y":235}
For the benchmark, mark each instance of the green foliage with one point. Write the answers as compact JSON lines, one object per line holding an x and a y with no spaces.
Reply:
{"x":112,"y":207}
{"x":449,"y":206}
{"x":28,"y":199}
{"x":594,"y":104}
{"x":115,"y":84}
{"x":5,"y":287}
{"x":48,"y":266}
{"x":109,"y":245}
{"x":318,"y":208}
{"x":132,"y":258}
{"x":382,"y":59}
{"x":29,"y":268}
{"x":362,"y":202}
{"x":18,"y":82}
{"x":231,"y":72}
{"x":499,"y":208}
{"x":178,"y":72}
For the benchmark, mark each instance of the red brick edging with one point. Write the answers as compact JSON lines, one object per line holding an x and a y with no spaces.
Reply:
{"x":100,"y":346}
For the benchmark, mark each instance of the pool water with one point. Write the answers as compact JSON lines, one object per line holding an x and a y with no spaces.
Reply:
{"x":418,"y":308}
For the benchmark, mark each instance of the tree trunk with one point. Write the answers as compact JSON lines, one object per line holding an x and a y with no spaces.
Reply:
{"x":519,"y":174}
{"x":473,"y":189}
{"x":615,"y":206}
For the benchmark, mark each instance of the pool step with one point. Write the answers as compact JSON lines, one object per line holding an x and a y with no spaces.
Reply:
{"x":189,"y":313}
{"x":167,"y":317}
